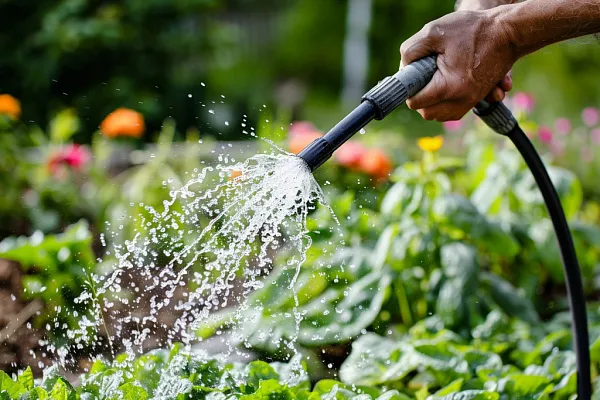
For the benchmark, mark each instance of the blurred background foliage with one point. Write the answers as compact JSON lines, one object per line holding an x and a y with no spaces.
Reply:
{"x":175,"y":58}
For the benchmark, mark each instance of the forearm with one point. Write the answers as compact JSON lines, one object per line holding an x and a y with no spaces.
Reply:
{"x":480,"y":4}
{"x":534,"y":24}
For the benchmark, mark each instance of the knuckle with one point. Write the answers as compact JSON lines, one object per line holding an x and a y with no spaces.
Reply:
{"x":404,"y":47}
{"x":429,"y":29}
{"x":427,"y":114}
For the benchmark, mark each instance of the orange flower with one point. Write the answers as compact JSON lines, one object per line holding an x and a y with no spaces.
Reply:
{"x":123,"y":122}
{"x":10,"y":106}
{"x":234,"y":174}
{"x":298,"y":142}
{"x":376,"y":163}
{"x":350,"y":154}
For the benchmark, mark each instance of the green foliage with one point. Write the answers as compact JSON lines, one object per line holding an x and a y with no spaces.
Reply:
{"x":39,"y":195}
{"x":56,"y":270}
{"x":504,"y":360}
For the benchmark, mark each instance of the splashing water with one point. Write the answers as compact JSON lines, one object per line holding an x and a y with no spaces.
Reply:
{"x":205,"y":250}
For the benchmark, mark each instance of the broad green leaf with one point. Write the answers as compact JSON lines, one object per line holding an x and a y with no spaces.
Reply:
{"x":452,"y":387}
{"x":344,"y":315}
{"x":14,"y":389}
{"x":60,"y":390}
{"x":371,"y":356}
{"x":451,"y":306}
{"x":509,"y":299}
{"x":270,"y":389}
{"x":26,"y":379}
{"x":382,"y":248}
{"x":459,"y":262}
{"x":132,"y":392}
{"x":258,"y":371}
{"x":457,"y":212}
{"x":523,"y":385}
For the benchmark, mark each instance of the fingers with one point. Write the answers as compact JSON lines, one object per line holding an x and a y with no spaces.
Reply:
{"x":445,"y":111}
{"x":506,"y":83}
{"x":496,"y":95}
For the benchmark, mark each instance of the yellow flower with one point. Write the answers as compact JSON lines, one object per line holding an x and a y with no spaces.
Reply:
{"x":431,"y":144}
{"x":10,"y":106}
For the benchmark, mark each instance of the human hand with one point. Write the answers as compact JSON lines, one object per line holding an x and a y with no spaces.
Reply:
{"x":474,"y":56}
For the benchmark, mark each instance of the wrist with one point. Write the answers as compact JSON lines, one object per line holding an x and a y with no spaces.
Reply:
{"x":507,"y":31}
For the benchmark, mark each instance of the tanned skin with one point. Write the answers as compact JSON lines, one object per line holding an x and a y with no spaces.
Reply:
{"x":478,"y":44}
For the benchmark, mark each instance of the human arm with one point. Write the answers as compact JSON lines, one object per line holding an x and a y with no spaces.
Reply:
{"x":477,"y":48}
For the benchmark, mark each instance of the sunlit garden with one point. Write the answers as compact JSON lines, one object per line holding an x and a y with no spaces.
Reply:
{"x":149,"y":248}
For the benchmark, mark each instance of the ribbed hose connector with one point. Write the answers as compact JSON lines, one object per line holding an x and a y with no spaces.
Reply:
{"x":392,"y":91}
{"x":497,"y":116}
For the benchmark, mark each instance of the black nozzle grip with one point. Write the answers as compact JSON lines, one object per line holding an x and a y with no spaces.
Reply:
{"x":496,"y":115}
{"x":394,"y":90}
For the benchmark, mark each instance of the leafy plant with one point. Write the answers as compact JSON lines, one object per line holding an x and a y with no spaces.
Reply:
{"x":56,"y":270}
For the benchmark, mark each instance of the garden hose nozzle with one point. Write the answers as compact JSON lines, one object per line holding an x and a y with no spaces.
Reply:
{"x":376,"y":104}
{"x":393,"y":91}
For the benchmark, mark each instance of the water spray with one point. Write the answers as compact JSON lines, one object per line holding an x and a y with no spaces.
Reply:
{"x":392,"y":92}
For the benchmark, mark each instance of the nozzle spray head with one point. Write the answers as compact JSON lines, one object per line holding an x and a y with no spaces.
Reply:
{"x":377,"y":103}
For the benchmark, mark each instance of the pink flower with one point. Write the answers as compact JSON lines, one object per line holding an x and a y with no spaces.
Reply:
{"x":563,"y":126}
{"x":453,"y":126}
{"x":74,"y":156}
{"x":590,"y":116}
{"x":595,"y":136}
{"x":545,"y":134}
{"x":523,"y":102}
{"x":301,"y":127}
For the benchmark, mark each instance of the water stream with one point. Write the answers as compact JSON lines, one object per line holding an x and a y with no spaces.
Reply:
{"x":206,"y":249}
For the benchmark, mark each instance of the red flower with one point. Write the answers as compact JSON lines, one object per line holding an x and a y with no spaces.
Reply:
{"x":73,"y":156}
{"x":350,"y":154}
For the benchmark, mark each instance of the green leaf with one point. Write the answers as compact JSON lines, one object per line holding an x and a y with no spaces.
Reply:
{"x":63,"y":126}
{"x":60,"y":390}
{"x":371,"y":356}
{"x":402,"y":199}
{"x":470,"y":395}
{"x":270,"y":389}
{"x":359,"y":306}
{"x":37,"y":393}
{"x":14,"y":389}
{"x":382,"y":248}
{"x":509,"y":299}
{"x":452,"y":387}
{"x":258,"y":371}
{"x":26,"y":378}
{"x":523,"y":385}
{"x":459,"y":262}
{"x":393,"y":395}
{"x":133,"y":392}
